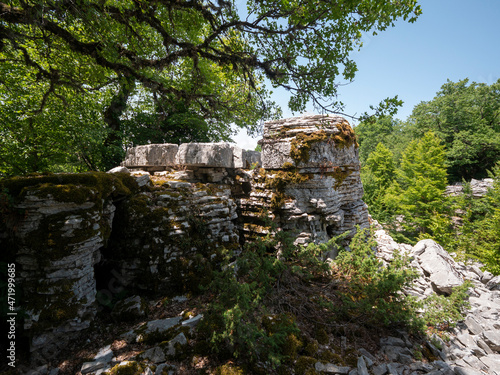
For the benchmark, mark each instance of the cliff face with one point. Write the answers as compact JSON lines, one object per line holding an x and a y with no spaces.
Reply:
{"x":205,"y":198}
{"x":53,"y":229}
{"x":311,"y":171}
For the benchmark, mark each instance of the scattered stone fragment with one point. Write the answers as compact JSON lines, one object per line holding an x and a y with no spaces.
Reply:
{"x":155,"y":355}
{"x":380,"y":369}
{"x":362,"y":367}
{"x":492,"y":338}
{"x":330,"y":368}
{"x":141,"y":177}
{"x":474,"y":327}
{"x":438,"y":264}
{"x":193,"y":322}
{"x":467,"y":371}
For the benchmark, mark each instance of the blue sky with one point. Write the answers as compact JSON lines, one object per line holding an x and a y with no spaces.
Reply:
{"x":452,"y":39}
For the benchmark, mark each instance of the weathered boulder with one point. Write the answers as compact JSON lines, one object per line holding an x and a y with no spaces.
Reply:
{"x":154,"y":155}
{"x":438,"y":265}
{"x":214,"y":155}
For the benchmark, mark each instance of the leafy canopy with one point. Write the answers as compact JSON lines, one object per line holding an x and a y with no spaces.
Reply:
{"x":147,"y":67}
{"x":466,"y":116}
{"x":300,"y":45}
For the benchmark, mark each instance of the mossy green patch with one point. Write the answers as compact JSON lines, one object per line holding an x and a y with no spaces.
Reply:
{"x":129,"y":368}
{"x":104,"y":184}
{"x":339,"y":174}
{"x":53,"y":301}
{"x":292,"y":346}
{"x":228,"y":369}
{"x":302,"y":143}
{"x":303,"y":364}
{"x":278,"y":181}
{"x":322,"y":336}
{"x":312,"y":348}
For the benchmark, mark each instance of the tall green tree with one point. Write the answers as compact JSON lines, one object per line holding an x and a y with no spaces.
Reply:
{"x":205,"y":56}
{"x":418,"y":190}
{"x":466,"y":116}
{"x":377,"y":175}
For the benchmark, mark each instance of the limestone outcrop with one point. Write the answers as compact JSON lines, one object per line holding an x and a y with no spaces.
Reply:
{"x":310,"y":183}
{"x":478,"y":188}
{"x":161,"y":237}
{"x":162,"y":219}
{"x":57,"y":225}
{"x":473,"y":346}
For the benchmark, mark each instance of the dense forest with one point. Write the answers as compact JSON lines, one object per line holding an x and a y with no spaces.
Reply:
{"x":406,"y":166}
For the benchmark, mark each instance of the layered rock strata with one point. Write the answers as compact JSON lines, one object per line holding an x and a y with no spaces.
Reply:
{"x":205,"y":198}
{"x":163,"y":236}
{"x":56,"y":226}
{"x":310,"y":183}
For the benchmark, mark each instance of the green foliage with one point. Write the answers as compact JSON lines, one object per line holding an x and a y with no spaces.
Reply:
{"x":378,"y":174}
{"x":371,"y":292}
{"x":80,"y":81}
{"x":418,"y":190}
{"x":479,"y":234}
{"x":466,"y":118}
{"x":239,"y":320}
{"x":244,"y":321}
{"x":443,"y":312}
{"x":393,"y":133}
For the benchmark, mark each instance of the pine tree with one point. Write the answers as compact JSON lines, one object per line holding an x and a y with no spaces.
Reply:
{"x":377,"y":176}
{"x":418,"y":190}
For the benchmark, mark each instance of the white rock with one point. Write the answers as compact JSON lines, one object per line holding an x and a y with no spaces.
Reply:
{"x":438,"y":264}
{"x":331,"y":368}
{"x":494,"y":283}
{"x":492,"y":338}
{"x":193,"y":321}
{"x":141,"y":177}
{"x":215,"y":155}
{"x":119,"y":170}
{"x":151,"y":155}
{"x":492,"y":361}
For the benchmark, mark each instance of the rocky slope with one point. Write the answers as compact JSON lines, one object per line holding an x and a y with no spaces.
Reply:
{"x":160,"y":346}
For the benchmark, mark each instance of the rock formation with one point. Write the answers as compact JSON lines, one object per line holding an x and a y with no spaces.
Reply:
{"x":310,"y":183}
{"x":474,"y":344}
{"x":478,"y":188}
{"x":57,"y":226}
{"x":206,"y":197}
{"x":165,"y":230}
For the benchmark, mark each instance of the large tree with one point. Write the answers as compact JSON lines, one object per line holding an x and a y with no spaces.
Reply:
{"x":417,"y":192}
{"x":466,"y":116}
{"x":200,"y":55}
